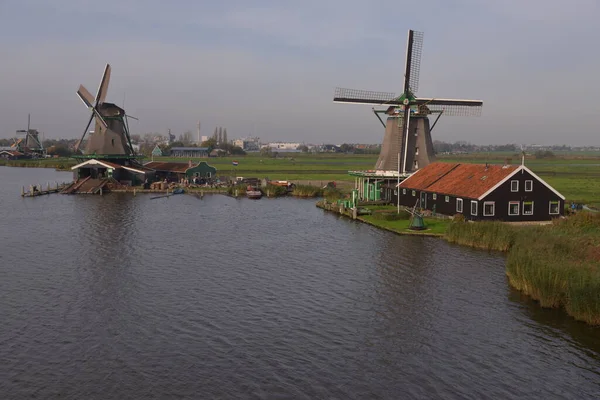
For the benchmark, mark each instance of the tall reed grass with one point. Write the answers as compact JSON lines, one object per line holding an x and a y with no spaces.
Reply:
{"x":559,"y":265}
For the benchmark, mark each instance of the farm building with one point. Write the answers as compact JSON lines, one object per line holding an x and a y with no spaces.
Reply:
{"x":175,"y":172}
{"x":189,"y":152}
{"x":481,"y":192}
{"x":101,"y":169}
{"x":11,"y":154}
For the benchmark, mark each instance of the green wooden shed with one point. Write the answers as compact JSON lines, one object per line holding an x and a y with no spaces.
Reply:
{"x":202,"y":170}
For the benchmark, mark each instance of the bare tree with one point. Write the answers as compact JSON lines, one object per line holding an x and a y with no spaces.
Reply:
{"x":225,"y":136}
{"x":220,"y":138}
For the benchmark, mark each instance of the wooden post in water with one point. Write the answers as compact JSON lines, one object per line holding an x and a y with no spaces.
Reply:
{"x":354,"y":212}
{"x":22,"y":191}
{"x":133,"y":192}
{"x":100,"y":191}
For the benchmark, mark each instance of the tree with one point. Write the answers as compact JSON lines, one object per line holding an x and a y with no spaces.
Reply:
{"x":303,"y":148}
{"x":220,"y":137}
{"x":210,"y":143}
{"x":215,"y":135}
{"x":225,"y":136}
{"x":347,"y":148}
{"x":186,"y":138}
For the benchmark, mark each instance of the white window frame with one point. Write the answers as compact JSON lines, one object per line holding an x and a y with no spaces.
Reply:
{"x":557,"y":207}
{"x":512,"y":184}
{"x":447,"y":199}
{"x":404,"y":191}
{"x":435,"y":196}
{"x":395,"y":192}
{"x":530,"y":185}
{"x":518,"y":203}
{"x":459,"y":205}
{"x":523,"y":208}
{"x":487,"y":203}
{"x":474,"y":203}
{"x":414,"y":193}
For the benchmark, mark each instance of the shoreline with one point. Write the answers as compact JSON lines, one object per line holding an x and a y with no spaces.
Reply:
{"x":555,"y":263}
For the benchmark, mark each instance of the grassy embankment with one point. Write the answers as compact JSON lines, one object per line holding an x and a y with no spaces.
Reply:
{"x":557,"y":264}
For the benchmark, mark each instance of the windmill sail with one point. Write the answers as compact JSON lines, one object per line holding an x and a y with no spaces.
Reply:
{"x":412,"y":68}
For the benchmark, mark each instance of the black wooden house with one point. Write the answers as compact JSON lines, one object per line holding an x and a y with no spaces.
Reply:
{"x":481,"y":192}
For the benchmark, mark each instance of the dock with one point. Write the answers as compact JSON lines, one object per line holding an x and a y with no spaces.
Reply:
{"x":39,"y":190}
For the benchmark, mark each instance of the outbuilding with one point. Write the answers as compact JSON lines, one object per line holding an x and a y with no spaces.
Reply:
{"x":481,"y":192}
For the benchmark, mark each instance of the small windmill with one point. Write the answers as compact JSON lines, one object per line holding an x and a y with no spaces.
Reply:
{"x":31,"y":143}
{"x":416,"y":222}
{"x":110,"y":138}
{"x":408,"y":146}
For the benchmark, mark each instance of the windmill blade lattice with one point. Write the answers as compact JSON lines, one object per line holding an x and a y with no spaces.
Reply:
{"x":413,"y":60}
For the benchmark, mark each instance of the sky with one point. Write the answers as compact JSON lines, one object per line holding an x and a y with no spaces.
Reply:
{"x":269,"y":68}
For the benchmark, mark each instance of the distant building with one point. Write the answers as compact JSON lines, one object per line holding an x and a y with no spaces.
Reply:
{"x":247,"y":144}
{"x":157,"y":152}
{"x":189,"y":152}
{"x":481,"y":192}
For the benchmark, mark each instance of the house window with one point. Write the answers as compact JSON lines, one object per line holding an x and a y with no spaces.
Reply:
{"x":416,"y":164}
{"x":489,"y":208}
{"x":416,"y":151}
{"x":435,"y":196}
{"x":554,"y":208}
{"x":395,"y":192}
{"x":459,"y":204}
{"x":403,"y":191}
{"x":528,"y":208}
{"x":514,"y":186}
{"x":513,"y":208}
{"x":529,"y":186}
{"x":473,"y":207}
{"x":414,"y":193}
{"x":447,"y":199}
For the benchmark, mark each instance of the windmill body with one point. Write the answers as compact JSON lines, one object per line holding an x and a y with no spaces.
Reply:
{"x":106,"y":154}
{"x":110,"y":138}
{"x":31,"y":144}
{"x":407,"y":144}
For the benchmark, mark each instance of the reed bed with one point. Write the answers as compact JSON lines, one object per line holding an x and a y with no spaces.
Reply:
{"x":488,"y":235}
{"x":559,"y":265}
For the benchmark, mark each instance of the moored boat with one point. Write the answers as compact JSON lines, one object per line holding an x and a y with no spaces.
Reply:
{"x":253,"y":192}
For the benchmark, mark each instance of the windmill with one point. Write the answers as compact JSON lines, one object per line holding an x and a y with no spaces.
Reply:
{"x":110,"y":138}
{"x":408,"y":146}
{"x":31,"y":143}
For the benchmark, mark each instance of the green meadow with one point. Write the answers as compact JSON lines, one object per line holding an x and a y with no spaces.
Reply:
{"x":575,"y":175}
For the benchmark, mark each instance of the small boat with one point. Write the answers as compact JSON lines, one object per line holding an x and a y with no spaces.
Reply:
{"x":253,"y":192}
{"x":178,"y":191}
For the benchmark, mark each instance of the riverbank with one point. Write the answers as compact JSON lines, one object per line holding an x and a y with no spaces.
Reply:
{"x":556,"y":264}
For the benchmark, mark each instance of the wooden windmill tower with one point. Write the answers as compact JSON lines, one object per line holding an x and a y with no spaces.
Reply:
{"x":407,"y":144}
{"x":110,"y":139}
{"x":30,"y":144}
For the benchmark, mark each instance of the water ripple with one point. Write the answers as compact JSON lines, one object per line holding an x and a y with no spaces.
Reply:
{"x":127,"y":297}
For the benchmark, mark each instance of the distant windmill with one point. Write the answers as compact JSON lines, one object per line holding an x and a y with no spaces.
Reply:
{"x":408,"y":146}
{"x":110,"y":138}
{"x":31,"y":143}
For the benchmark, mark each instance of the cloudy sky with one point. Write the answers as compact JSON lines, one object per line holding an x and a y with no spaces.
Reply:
{"x":269,"y":68}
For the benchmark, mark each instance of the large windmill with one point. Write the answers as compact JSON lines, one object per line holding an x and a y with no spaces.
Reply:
{"x":110,"y":138}
{"x":408,"y":146}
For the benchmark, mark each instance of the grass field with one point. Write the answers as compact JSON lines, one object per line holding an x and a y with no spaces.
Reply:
{"x":575,"y":175}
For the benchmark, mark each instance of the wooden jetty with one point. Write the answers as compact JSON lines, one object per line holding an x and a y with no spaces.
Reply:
{"x":39,"y":190}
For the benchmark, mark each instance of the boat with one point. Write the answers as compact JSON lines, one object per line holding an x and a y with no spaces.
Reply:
{"x":179,"y":191}
{"x":253,"y":192}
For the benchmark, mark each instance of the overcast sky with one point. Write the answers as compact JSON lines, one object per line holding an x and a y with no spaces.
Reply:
{"x":269,"y":68}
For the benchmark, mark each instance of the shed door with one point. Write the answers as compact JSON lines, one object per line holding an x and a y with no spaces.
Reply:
{"x":423,"y":200}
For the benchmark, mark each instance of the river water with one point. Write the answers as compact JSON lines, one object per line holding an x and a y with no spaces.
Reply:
{"x":123,"y":297}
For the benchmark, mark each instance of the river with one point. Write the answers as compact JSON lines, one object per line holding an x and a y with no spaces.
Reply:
{"x":123,"y":297}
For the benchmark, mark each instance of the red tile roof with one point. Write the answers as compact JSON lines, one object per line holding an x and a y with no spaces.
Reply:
{"x":167,"y":166}
{"x":461,"y":180}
